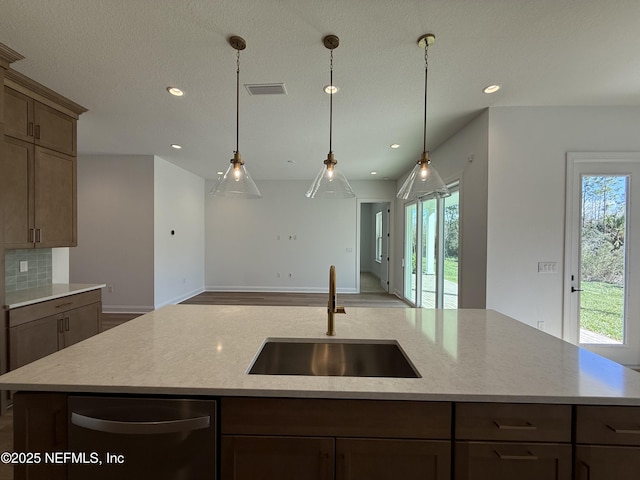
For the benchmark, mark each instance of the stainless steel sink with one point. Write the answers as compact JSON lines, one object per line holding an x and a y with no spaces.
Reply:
{"x":348,"y":358}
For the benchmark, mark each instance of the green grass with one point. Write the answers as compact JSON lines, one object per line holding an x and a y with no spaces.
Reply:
{"x":451,"y":269}
{"x":602,"y":307}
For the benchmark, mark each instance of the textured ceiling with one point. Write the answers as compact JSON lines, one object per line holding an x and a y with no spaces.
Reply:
{"x":116,"y":58}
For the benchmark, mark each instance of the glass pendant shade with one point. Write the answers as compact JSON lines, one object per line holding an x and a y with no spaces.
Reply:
{"x":330,"y":182}
{"x":423,"y":181}
{"x":236,"y":182}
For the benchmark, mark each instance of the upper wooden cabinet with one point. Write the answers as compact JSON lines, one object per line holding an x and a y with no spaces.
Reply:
{"x":39,"y":164}
{"x":32,"y":121}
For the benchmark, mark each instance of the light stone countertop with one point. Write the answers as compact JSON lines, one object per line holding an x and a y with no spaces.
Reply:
{"x":29,"y":296}
{"x":462,"y":355}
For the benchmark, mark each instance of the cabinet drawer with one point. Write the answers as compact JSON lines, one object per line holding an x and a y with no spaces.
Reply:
{"x":20,"y":315}
{"x":509,"y":461}
{"x":608,"y":425}
{"x":513,"y":422}
{"x":343,"y":418}
{"x":605,"y":463}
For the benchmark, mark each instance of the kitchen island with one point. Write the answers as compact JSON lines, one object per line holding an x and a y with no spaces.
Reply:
{"x":489,"y":387}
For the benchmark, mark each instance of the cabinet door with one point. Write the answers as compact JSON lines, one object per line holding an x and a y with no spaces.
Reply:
{"x":81,"y":323}
{"x":385,"y":459}
{"x":508,"y":461}
{"x":55,"y":199}
{"x":17,"y":193}
{"x":276,"y":458}
{"x":18,"y":115}
{"x":606,"y":463}
{"x":33,"y":340}
{"x":40,"y":425}
{"x":54,"y":129}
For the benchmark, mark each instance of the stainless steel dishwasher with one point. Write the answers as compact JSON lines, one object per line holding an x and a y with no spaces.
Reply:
{"x":132,"y":438}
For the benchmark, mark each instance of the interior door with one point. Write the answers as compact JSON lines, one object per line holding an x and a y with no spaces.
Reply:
{"x":602,"y":246}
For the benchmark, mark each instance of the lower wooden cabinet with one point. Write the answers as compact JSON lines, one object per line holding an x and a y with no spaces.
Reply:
{"x":39,"y":425}
{"x":608,"y":443}
{"x":508,"y":461}
{"x":38,"y":330}
{"x":593,"y":462}
{"x":513,"y":441}
{"x":326,"y":458}
{"x":303,"y":458}
{"x":276,"y":438}
{"x":382,"y":459}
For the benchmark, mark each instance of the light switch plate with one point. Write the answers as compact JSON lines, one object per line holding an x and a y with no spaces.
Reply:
{"x":24,"y":266}
{"x":547,"y":267}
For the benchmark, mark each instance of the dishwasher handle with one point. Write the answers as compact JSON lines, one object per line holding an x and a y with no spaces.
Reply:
{"x":140,"y":428}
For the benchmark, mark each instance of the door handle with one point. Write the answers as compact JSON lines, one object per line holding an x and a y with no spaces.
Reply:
{"x":573,"y":289}
{"x":140,"y":428}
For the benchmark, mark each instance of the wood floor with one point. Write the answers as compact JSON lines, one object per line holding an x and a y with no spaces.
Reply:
{"x":379,"y":300}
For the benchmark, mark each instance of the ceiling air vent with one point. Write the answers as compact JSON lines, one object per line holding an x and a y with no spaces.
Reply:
{"x":266,"y":88}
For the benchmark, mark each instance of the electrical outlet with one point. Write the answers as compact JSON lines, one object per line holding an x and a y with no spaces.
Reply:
{"x":110,"y":288}
{"x":24,"y":266}
{"x":541,"y":325}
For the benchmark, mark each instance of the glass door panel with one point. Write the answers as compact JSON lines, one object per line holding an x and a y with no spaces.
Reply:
{"x":428,"y":250}
{"x":410,"y":251}
{"x":603,"y":236}
{"x":451,"y":231}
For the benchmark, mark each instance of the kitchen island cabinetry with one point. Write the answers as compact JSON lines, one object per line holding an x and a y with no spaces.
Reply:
{"x":491,"y":387}
{"x":342,"y":439}
{"x":505,"y":441}
{"x":38,"y":330}
{"x":608,"y":443}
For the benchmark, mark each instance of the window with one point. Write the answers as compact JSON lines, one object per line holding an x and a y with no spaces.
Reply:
{"x":379,"y":237}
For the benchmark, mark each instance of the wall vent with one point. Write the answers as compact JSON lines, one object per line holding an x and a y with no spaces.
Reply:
{"x":266,"y":88}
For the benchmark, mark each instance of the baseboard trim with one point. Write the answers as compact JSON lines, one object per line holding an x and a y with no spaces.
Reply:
{"x":140,"y":309}
{"x":244,"y":289}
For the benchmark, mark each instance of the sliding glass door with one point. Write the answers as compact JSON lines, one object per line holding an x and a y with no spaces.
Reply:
{"x":431,"y":251}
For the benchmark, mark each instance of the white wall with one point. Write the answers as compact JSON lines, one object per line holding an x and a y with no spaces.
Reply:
{"x":243,"y":251}
{"x":527,"y":151}
{"x":178,"y":256}
{"x":452,"y":161}
{"x":115,"y":230}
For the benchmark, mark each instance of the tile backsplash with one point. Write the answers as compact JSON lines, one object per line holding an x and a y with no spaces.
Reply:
{"x":38,"y":268}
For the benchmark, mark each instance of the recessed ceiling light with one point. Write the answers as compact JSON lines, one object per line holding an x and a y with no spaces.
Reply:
{"x":492,"y":88}
{"x":176,"y":146}
{"x":331,"y":89}
{"x":374,"y":173}
{"x":395,"y":145}
{"x":175,"y":91}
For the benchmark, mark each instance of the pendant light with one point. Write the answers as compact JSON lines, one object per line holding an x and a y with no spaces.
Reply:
{"x":330,"y":182}
{"x":424,"y":179}
{"x":236,"y":181}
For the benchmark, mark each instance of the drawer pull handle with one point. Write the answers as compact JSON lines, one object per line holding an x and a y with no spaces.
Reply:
{"x":522,"y":426}
{"x":64,"y":305}
{"x":528,"y":456}
{"x":632,"y":431}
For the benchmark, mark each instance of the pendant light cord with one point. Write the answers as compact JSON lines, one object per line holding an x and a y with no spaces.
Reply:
{"x":426,"y":71}
{"x":237,"y":101}
{"x":331,"y":88}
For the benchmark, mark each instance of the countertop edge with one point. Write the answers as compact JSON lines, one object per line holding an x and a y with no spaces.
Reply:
{"x":323,"y":394}
{"x":71,"y":291}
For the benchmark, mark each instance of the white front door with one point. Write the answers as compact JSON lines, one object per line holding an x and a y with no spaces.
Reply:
{"x":602,"y":245}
